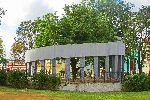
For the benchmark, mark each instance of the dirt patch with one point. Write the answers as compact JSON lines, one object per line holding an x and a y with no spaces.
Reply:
{"x":26,"y":96}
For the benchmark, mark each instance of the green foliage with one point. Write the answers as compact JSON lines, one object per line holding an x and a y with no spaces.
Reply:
{"x":23,"y":41}
{"x":3,"y":77}
{"x":81,"y":23}
{"x":86,"y":22}
{"x":136,"y":82}
{"x":55,"y":82}
{"x":89,"y":21}
{"x":17,"y":79}
{"x":47,"y":27}
{"x":45,"y":81}
{"x":3,"y":60}
{"x":75,"y":95}
{"x":40,"y":81}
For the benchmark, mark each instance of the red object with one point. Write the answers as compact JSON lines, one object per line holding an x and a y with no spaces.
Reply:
{"x":149,"y":69}
{"x":131,"y":65}
{"x":148,"y":57}
{"x":10,"y":66}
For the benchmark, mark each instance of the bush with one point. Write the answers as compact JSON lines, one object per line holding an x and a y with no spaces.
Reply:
{"x":136,"y":82}
{"x":45,"y":81}
{"x":40,"y":81}
{"x":55,"y":82}
{"x":17,"y":79}
{"x":149,"y":81}
{"x":3,"y":77}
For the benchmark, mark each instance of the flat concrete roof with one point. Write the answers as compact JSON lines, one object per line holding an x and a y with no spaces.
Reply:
{"x":75,"y":50}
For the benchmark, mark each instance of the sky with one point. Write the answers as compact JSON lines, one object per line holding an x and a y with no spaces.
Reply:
{"x":22,"y":10}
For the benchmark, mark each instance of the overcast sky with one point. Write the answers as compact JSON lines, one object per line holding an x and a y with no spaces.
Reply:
{"x":21,"y":10}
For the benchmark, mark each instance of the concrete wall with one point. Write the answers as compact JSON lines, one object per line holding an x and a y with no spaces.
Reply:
{"x":92,"y":87}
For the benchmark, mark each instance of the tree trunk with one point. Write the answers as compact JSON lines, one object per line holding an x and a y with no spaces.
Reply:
{"x":139,"y":61}
{"x":134,"y":65}
{"x":127,"y":65}
{"x":74,"y":68}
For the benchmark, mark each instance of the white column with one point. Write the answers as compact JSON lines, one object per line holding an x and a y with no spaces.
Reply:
{"x":27,"y":68}
{"x":32,"y":68}
{"x":67,"y":68}
{"x":54,"y":66}
{"x":106,"y":67}
{"x":96,"y":66}
{"x":82,"y":65}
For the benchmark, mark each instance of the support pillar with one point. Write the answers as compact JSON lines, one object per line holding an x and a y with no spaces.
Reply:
{"x":113,"y":64}
{"x":67,"y":68}
{"x":82,"y":65}
{"x":32,"y":68}
{"x":122,"y":68}
{"x":35,"y":66}
{"x":116,"y":66}
{"x":28,"y":69}
{"x":54,"y":66}
{"x":96,"y":66}
{"x":113,"y":67}
{"x":42,"y":65}
{"x":119,"y":66}
{"x":107,"y":68}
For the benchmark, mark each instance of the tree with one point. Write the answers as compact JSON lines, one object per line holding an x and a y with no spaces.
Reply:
{"x":82,"y":23}
{"x":3,"y":60}
{"x":143,"y":19}
{"x":120,"y":19}
{"x":18,"y":51}
{"x":135,"y":36}
{"x":23,"y":41}
{"x":46,"y":29}
{"x":133,"y":27}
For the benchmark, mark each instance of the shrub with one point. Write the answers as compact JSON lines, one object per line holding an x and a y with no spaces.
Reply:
{"x":45,"y":81}
{"x":55,"y":82}
{"x":40,"y":81}
{"x":136,"y":82}
{"x":3,"y":77}
{"x":17,"y":79}
{"x":149,"y":81}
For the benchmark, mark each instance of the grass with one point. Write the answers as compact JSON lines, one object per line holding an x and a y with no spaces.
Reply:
{"x":83,"y":95}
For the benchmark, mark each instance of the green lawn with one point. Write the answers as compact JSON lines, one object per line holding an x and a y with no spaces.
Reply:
{"x":84,"y":95}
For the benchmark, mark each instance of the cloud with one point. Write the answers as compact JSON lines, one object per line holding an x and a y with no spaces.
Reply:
{"x":58,"y":5}
{"x":139,"y":3}
{"x":21,"y":10}
{"x":36,"y":9}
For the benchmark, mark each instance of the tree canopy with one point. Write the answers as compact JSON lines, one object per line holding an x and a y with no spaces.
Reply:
{"x":88,"y":22}
{"x":2,"y":53}
{"x":81,"y":23}
{"x":23,"y":41}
